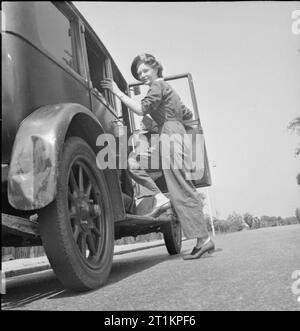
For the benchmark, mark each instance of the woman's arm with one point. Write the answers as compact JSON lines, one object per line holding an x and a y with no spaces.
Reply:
{"x":133,"y":105}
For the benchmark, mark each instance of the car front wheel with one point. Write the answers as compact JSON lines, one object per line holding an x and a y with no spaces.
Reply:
{"x":77,"y":229}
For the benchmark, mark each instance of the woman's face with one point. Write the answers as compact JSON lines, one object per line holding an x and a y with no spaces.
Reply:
{"x":147,"y":74}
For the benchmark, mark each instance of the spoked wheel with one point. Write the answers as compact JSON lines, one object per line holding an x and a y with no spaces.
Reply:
{"x":173,"y":236}
{"x":77,"y":229}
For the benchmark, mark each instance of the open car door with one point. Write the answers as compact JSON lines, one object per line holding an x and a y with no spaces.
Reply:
{"x":183,"y":85}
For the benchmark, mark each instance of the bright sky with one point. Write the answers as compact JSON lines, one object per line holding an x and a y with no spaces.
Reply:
{"x":245,"y":63}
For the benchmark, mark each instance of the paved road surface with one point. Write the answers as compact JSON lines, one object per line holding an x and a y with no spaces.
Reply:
{"x":250,"y":270}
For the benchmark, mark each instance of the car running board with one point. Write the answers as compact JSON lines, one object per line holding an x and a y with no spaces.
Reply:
{"x":166,"y":217}
{"x":19,"y":226}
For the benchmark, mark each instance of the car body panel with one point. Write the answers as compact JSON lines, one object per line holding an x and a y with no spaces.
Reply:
{"x":36,"y":151}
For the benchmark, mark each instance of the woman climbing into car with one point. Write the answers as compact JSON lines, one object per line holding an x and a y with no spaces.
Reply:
{"x":167,"y":110}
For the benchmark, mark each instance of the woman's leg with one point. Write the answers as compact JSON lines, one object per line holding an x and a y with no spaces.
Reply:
{"x":140,"y":176}
{"x":184,"y":197}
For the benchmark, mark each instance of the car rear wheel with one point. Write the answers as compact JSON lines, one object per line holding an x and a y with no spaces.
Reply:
{"x":77,"y":229}
{"x":173,"y":236}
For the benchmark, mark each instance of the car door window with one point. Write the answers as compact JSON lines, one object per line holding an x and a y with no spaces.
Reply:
{"x":54,"y":31}
{"x":181,"y":86}
{"x":99,"y":68}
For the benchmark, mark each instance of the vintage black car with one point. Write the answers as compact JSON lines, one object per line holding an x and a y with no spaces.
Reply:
{"x":53,"y":110}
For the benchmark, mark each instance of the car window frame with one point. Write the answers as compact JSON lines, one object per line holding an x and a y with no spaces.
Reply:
{"x":189,"y":78}
{"x":76,"y":27}
{"x":108,"y":99}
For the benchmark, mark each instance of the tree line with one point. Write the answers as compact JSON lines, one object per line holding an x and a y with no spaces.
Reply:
{"x":234,"y":222}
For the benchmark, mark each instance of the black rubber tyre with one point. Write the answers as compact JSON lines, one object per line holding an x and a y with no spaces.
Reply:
{"x":77,"y":229}
{"x":173,"y":237}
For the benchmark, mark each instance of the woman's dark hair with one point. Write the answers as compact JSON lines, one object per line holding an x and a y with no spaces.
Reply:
{"x":147,"y":59}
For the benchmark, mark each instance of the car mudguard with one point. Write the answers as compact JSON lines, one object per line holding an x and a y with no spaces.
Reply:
{"x":34,"y":161}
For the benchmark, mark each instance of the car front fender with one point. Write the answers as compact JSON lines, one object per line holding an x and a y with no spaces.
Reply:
{"x":32,"y":176}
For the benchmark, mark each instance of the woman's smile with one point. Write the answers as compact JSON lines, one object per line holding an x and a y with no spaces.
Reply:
{"x":147,"y":74}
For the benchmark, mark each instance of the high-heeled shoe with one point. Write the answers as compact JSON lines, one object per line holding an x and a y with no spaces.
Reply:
{"x":159,"y":210}
{"x":197,"y":252}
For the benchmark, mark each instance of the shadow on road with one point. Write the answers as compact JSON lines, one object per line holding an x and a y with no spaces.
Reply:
{"x":124,"y":268}
{"x":32,"y":288}
{"x":45,"y":285}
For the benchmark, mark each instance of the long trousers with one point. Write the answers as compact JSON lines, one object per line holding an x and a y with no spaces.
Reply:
{"x":184,"y":197}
